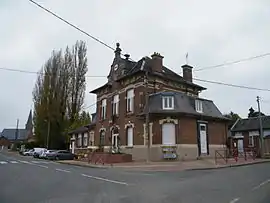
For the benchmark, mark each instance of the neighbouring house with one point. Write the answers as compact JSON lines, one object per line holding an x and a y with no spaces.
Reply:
{"x":82,"y":138}
{"x":20,"y":135}
{"x":245,"y":133}
{"x":4,"y":141}
{"x":178,"y":116}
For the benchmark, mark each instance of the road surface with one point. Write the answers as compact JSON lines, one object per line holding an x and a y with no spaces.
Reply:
{"x":24,"y":179}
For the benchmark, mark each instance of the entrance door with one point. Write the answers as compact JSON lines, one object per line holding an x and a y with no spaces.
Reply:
{"x":240,"y":145}
{"x":115,"y":140}
{"x":203,"y":139}
{"x":168,"y":134}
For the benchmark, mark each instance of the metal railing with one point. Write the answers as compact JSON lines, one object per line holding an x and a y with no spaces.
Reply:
{"x":226,"y":154}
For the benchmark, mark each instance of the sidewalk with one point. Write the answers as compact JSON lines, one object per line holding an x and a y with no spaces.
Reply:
{"x":205,"y":164}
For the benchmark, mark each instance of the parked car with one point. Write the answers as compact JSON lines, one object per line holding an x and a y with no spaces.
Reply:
{"x":29,"y":152}
{"x":38,"y":151}
{"x":60,"y":155}
{"x":45,"y":153}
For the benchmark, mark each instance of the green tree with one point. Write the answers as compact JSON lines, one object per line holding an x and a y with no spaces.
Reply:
{"x":59,"y":94}
{"x":233,"y":116}
{"x":253,"y":113}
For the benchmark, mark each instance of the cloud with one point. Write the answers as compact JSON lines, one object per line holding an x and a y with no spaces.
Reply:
{"x":212,"y":32}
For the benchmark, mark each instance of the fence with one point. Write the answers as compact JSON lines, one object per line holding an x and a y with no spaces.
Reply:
{"x":235,"y":154}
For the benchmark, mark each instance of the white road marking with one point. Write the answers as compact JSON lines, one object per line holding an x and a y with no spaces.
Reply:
{"x":35,"y":162}
{"x":3,"y":162}
{"x":13,"y":162}
{"x":62,"y":170}
{"x":235,"y":200}
{"x":104,"y":179}
{"x":26,"y":162}
{"x":261,"y":184}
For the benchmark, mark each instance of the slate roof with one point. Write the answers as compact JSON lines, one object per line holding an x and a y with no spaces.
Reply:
{"x":10,"y":134}
{"x":183,"y":104}
{"x":251,"y":124}
{"x":144,"y":64}
{"x":85,"y":128}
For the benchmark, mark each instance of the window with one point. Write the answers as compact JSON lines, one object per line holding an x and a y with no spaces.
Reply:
{"x":79,"y":141}
{"x":91,"y":138}
{"x":130,"y":136}
{"x":130,"y":100}
{"x":142,"y":99}
{"x":85,"y":139}
{"x":103,"y":109}
{"x":115,"y":106}
{"x":168,"y":102}
{"x":102,"y":138}
{"x":251,"y":141}
{"x":198,"y":106}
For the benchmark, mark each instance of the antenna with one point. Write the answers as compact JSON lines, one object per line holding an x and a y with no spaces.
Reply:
{"x":187,"y":58}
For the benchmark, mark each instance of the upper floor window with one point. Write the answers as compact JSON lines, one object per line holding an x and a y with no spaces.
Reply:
{"x":198,"y":106}
{"x":130,"y":100}
{"x":115,"y":106}
{"x":103,"y":108}
{"x":167,"y":102}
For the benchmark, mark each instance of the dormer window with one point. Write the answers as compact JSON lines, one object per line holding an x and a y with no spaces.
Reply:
{"x":198,"y":106}
{"x":167,"y":102}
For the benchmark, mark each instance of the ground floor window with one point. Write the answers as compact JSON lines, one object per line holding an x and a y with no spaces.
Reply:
{"x":79,"y":140}
{"x":102,"y":138}
{"x":168,"y":134}
{"x":91,"y":139}
{"x":85,"y":139}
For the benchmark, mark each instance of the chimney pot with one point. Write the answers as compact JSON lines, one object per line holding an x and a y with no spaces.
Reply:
{"x":157,"y":62}
{"x":127,"y":56}
{"x":187,"y":72}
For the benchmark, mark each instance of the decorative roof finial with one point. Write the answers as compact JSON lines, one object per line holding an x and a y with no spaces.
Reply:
{"x":117,"y":50}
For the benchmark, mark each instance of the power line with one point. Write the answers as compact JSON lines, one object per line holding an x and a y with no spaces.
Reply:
{"x":102,"y":76}
{"x":232,"y":85}
{"x":72,"y":25}
{"x":234,"y":62}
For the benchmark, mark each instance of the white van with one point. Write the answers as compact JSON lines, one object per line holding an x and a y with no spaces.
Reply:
{"x":38,"y":151}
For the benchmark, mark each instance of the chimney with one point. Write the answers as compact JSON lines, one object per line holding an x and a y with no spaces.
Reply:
{"x":157,"y":62}
{"x":187,"y":72}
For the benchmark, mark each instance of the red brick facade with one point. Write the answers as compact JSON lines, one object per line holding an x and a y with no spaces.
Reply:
{"x":186,"y":126}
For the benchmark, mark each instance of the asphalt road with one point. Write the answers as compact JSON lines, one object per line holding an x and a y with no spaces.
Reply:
{"x":24,"y":179}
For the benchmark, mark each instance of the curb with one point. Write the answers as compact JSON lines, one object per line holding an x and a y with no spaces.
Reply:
{"x":86,"y":166}
{"x":227,"y":166}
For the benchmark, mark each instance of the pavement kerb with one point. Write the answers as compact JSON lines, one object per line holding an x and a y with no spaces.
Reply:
{"x":188,"y":169}
{"x":227,"y":166}
{"x":84,"y":165}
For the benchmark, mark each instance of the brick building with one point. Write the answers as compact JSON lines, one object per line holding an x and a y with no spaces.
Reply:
{"x":178,"y":116}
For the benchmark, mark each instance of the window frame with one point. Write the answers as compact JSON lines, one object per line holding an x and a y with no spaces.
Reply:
{"x":115,"y":106}
{"x":198,"y":106}
{"x":130,"y":101}
{"x":166,"y":104}
{"x":103,"y":108}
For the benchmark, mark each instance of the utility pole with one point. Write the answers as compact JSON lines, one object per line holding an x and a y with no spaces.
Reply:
{"x":16,"y":133}
{"x":48,"y":133}
{"x":147,"y":134}
{"x":261,"y":127}
{"x":17,"y":130}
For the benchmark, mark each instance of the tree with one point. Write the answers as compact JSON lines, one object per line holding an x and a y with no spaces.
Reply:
{"x":59,"y":94}
{"x":252,"y":113}
{"x":233,"y":116}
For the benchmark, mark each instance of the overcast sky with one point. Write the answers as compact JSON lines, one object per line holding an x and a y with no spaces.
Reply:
{"x":212,"y":32}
